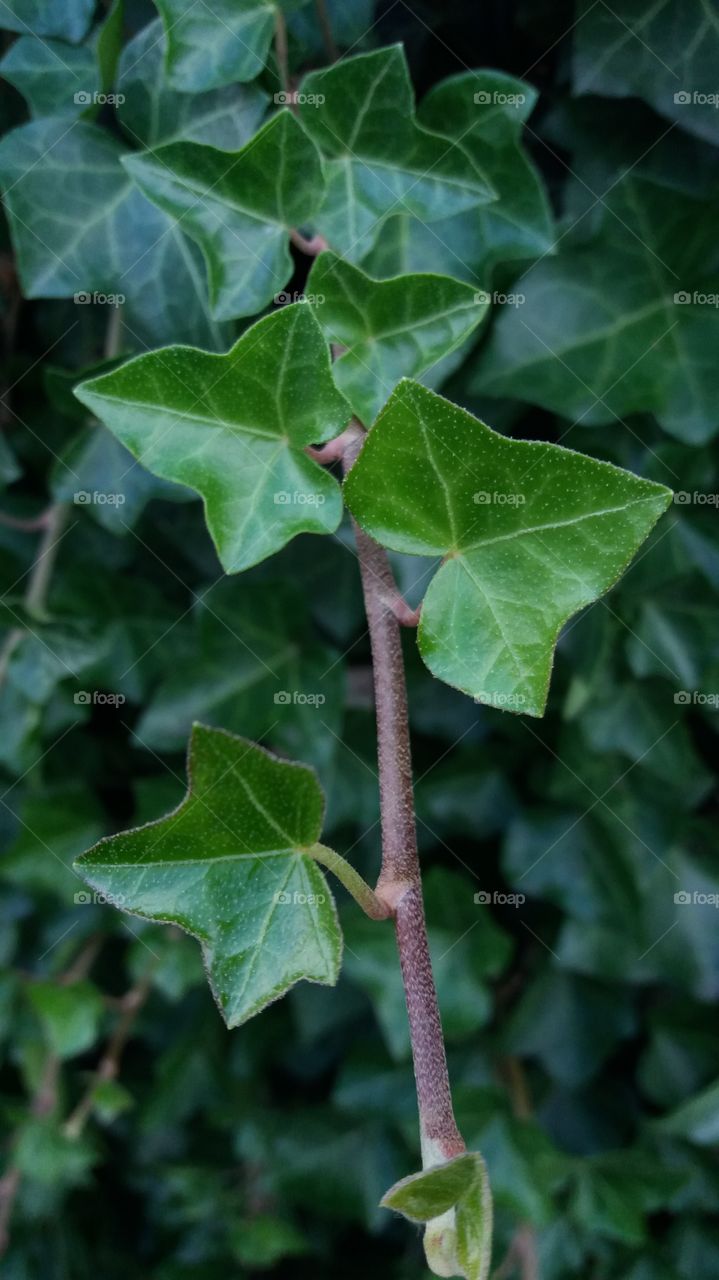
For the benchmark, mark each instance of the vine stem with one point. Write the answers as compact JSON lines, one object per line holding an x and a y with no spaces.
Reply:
{"x":399,"y":884}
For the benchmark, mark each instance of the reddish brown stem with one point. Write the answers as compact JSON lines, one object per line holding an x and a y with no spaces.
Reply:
{"x":399,"y":883}
{"x":311,"y":246}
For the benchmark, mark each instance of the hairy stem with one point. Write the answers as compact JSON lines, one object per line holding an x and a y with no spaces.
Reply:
{"x":367,"y":899}
{"x":282,"y":55}
{"x":399,"y":884}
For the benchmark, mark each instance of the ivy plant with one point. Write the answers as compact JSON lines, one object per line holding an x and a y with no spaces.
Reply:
{"x":326,"y":407}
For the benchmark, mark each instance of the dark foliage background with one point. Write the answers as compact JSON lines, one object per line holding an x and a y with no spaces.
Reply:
{"x":581,"y":1023}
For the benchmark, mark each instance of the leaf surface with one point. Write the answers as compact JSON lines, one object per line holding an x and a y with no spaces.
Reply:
{"x":153,"y":112}
{"x":234,"y":428}
{"x":390,"y":329}
{"x":238,"y":206}
{"x":230,"y":866}
{"x":515,"y":226}
{"x":375,"y":168}
{"x":213,"y":45}
{"x":79,"y":226}
{"x":531,"y":533}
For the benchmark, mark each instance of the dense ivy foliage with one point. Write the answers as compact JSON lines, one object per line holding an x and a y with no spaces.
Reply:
{"x":555,"y":172}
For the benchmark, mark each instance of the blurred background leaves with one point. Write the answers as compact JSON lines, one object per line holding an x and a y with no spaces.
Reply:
{"x":571,"y":864}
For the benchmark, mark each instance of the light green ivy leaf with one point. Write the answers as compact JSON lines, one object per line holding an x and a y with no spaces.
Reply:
{"x":54,"y":78}
{"x":360,"y":112}
{"x":530,"y":532}
{"x":238,"y":206}
{"x":389,"y":328}
{"x":154,"y":113}
{"x":455,"y":1201}
{"x":209,"y":46}
{"x":231,"y":867}
{"x":234,"y":428}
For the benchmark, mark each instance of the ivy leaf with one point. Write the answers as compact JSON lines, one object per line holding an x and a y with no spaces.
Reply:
{"x":482,"y":112}
{"x":455,"y":1201}
{"x":531,"y":533}
{"x":67,"y":19}
{"x":234,"y":428}
{"x":390,"y":328}
{"x":374,"y":170}
{"x":153,"y":112}
{"x":75,"y":235}
{"x":231,"y":867}
{"x":238,"y":207}
{"x":70,"y":1015}
{"x":639,"y":55}
{"x":210,"y":46}
{"x":54,"y":78}
{"x":623,"y":323}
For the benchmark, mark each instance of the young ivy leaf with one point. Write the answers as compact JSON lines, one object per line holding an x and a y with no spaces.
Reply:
{"x":389,"y":328}
{"x":233,"y":427}
{"x":210,"y":46}
{"x":360,"y":113}
{"x":530,"y":532}
{"x":455,"y":1201}
{"x":231,"y":866}
{"x":238,"y":206}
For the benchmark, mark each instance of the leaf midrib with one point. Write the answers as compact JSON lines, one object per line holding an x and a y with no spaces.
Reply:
{"x":199,"y":419}
{"x":557,"y":524}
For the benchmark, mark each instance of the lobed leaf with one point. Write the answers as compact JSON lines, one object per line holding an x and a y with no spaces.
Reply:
{"x":625,"y":322}
{"x":482,"y":113}
{"x":238,"y":206}
{"x":80,"y":227}
{"x":231,"y":867}
{"x":373,"y":169}
{"x":234,"y":428}
{"x":153,"y":112}
{"x":390,"y":329}
{"x":530,"y":532}
{"x":213,"y":45}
